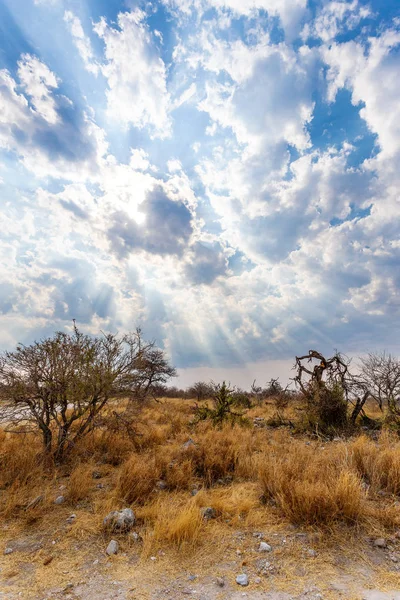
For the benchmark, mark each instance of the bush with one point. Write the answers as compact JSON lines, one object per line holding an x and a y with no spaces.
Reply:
{"x":326,"y":406}
{"x":224,"y":401}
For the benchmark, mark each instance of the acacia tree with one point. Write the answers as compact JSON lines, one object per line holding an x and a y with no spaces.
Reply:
{"x":60,"y":384}
{"x":381,"y":376}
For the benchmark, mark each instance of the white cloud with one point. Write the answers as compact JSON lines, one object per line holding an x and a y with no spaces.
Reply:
{"x":136,"y":74}
{"x":290,"y":12}
{"x":81,"y":41}
{"x":39,"y":83}
{"x":335,"y":17}
{"x":45,"y":143}
{"x":372,"y":77}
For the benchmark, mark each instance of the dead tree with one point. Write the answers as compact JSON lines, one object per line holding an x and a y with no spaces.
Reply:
{"x":60,"y":385}
{"x":356,"y":389}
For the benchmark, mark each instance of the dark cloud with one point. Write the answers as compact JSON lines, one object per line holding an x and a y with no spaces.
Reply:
{"x":206,"y":263}
{"x":167,"y":228}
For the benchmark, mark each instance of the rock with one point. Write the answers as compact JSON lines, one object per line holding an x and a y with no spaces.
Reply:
{"x":135,"y":536}
{"x":311,"y":552}
{"x":257,"y":580}
{"x":112,"y":548}
{"x":189,"y":444}
{"x":59,"y":500}
{"x":220,"y":581}
{"x":194,"y":492}
{"x":161,"y":485}
{"x":71,"y":519}
{"x":380,"y":543}
{"x":209,"y":513}
{"x":34,"y":502}
{"x":120,"y":520}
{"x":264,"y":547}
{"x":96,"y":475}
{"x":192,"y":577}
{"x":242,"y":579}
{"x":8,"y":551}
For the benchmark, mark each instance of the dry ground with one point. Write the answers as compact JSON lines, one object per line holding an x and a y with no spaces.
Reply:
{"x":320,"y":504}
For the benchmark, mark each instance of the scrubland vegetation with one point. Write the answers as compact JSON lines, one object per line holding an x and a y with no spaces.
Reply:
{"x":269,"y":459}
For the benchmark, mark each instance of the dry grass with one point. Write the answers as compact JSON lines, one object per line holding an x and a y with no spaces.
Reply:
{"x":235,"y":469}
{"x":80,"y":483}
{"x":136,"y":479}
{"x":172,"y":521}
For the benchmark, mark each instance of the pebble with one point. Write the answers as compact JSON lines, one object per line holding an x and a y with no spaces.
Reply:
{"x":71,"y":518}
{"x":209,"y":513}
{"x":220,"y":582}
{"x":242,"y":579}
{"x":120,"y":520}
{"x":188,"y":444}
{"x":264,"y":547}
{"x":8,"y":551}
{"x":112,"y":548}
{"x":59,"y":500}
{"x":311,"y":552}
{"x":380,"y":543}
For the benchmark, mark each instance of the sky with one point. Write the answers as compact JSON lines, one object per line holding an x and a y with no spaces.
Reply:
{"x":224,"y":174}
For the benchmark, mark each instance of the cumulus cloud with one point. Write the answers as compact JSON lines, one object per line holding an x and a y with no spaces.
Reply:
{"x":50,"y":136}
{"x":166,"y":229}
{"x":236,"y":231}
{"x":370,"y":74}
{"x":136,"y":74}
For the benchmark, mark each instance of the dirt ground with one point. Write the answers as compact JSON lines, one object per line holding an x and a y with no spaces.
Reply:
{"x":301,"y":566}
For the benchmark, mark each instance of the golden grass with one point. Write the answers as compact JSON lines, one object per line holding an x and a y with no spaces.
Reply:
{"x":248,"y":475}
{"x":80,"y":483}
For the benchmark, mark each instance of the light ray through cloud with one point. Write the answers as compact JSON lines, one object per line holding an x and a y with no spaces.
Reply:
{"x":223,"y":173}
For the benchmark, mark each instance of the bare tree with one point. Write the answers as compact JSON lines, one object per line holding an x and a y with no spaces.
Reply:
{"x":380,"y":373}
{"x":60,"y":384}
{"x":201,"y":390}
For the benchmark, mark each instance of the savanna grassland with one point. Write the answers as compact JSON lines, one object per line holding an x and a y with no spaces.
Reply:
{"x":322,"y":505}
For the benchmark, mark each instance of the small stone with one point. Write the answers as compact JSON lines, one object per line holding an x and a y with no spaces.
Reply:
{"x":192,"y":577}
{"x":71,"y":518}
{"x":161,"y":485}
{"x":220,"y":581}
{"x":194,"y":492}
{"x":153,"y":557}
{"x":120,"y":520}
{"x":257,"y":580}
{"x":209,"y":513}
{"x":242,"y":579}
{"x":96,"y":562}
{"x":59,"y":500}
{"x":311,"y":552}
{"x":380,"y":543}
{"x":112,"y":548}
{"x":189,"y":444}
{"x":135,"y":536}
{"x":8,"y":551}
{"x":264,"y":547}
{"x":393,"y":558}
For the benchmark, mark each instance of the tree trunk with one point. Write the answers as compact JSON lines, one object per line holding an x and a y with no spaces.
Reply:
{"x":47,"y":439}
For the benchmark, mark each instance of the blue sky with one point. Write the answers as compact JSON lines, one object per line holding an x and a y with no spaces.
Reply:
{"x":223,"y":173}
